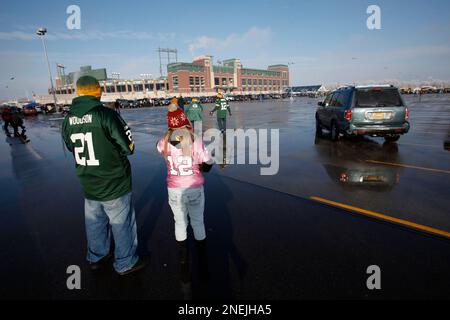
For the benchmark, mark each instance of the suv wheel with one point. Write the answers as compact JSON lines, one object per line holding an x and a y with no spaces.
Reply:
{"x":393,"y":138}
{"x":334,"y":131}
{"x":319,"y":131}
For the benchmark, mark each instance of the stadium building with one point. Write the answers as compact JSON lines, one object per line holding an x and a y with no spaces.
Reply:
{"x":201,"y":76}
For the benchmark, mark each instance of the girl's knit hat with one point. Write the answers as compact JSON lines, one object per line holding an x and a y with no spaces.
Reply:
{"x":177,"y":119}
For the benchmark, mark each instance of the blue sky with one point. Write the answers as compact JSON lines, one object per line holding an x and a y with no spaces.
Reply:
{"x":327,"y":41}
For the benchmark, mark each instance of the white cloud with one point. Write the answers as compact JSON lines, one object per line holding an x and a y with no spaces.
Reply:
{"x":86,"y":36}
{"x":254,"y":38}
{"x":17,"y":35}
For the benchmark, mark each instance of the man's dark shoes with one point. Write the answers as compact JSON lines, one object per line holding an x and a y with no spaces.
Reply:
{"x":100,"y":264}
{"x":141,"y":264}
{"x":183,"y":252}
{"x":202,"y":252}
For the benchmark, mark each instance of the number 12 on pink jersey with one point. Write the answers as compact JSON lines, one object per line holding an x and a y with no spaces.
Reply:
{"x":183,"y":168}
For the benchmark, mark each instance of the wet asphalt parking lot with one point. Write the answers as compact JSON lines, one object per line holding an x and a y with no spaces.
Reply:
{"x":269,"y":237}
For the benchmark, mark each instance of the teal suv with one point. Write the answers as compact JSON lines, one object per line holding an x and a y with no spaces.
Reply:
{"x":377,"y":111}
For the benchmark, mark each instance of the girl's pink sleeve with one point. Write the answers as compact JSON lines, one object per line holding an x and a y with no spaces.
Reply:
{"x":203,"y":154}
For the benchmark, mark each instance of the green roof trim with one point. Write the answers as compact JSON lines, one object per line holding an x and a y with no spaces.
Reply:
{"x":99,"y":74}
{"x":230,"y":62}
{"x":279,"y":65}
{"x":224,"y":69}
{"x":181,"y":66}
{"x":259,"y":72}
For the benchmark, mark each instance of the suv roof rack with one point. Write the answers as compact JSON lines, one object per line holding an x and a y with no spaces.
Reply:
{"x":345,"y":87}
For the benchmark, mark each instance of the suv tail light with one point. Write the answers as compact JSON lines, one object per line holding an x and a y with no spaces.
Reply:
{"x":407,"y":114}
{"x":348,"y":115}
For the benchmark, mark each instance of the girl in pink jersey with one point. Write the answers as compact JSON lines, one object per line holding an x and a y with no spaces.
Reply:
{"x":185,"y":157}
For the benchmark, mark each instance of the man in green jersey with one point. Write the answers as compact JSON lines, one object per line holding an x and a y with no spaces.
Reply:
{"x":100,"y":141}
{"x":194,"y":112}
{"x":223,"y":108}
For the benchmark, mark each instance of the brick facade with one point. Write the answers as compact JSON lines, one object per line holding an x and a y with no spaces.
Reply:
{"x":201,"y":76}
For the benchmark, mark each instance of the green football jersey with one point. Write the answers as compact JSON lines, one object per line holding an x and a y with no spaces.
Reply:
{"x":100,"y":141}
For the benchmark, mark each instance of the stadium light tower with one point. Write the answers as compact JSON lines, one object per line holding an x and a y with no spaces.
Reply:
{"x":41,"y":32}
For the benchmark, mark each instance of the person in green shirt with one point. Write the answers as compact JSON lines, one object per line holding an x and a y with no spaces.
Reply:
{"x":100,"y":141}
{"x":194,"y":113}
{"x":222,"y":108}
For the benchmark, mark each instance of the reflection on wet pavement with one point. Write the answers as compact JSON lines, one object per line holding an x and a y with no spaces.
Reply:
{"x":347,"y":171}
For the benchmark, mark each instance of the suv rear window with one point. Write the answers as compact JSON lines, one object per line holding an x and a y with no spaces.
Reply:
{"x":378,"y":98}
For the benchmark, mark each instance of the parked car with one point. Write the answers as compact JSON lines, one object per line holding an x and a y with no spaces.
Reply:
{"x":29,"y":111}
{"x":142,"y":103}
{"x":164,"y":102}
{"x":377,"y":111}
{"x":48,"y":108}
{"x":123,"y":103}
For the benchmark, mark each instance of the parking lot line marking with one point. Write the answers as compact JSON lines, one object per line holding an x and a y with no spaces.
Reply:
{"x":384,"y":217}
{"x":420,"y":145}
{"x":407,"y":166}
{"x":424,"y":132}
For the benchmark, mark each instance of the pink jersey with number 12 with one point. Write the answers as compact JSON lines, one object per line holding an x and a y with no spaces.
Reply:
{"x":182,"y":171}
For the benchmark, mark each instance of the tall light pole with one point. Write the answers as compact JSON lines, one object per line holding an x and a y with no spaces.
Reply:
{"x":41,"y":33}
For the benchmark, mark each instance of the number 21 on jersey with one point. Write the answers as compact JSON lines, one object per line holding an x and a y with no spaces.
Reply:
{"x":86,"y":141}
